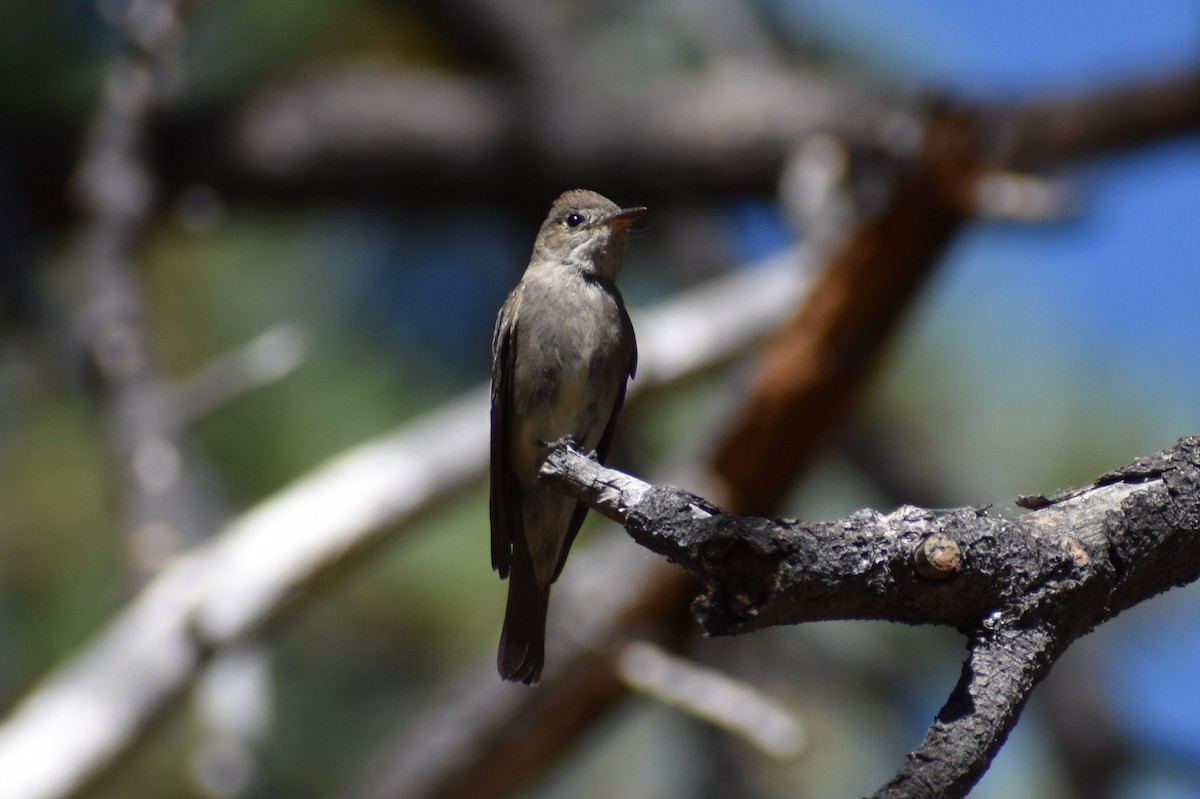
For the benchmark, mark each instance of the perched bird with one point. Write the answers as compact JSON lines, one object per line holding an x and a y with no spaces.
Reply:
{"x":562,"y":352}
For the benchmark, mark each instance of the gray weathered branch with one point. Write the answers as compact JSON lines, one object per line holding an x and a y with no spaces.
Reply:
{"x":1021,"y":588}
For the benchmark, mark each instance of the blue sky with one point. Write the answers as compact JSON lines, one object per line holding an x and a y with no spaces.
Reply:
{"x":988,"y":48}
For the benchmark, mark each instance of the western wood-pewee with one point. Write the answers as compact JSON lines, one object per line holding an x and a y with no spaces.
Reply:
{"x":562,"y":352}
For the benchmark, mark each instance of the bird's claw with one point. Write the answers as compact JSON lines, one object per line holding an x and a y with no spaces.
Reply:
{"x":569,"y":442}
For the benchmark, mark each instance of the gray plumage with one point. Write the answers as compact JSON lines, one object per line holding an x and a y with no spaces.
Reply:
{"x":562,"y":352}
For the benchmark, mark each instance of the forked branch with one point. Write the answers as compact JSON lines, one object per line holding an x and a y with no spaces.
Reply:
{"x":1021,"y":586}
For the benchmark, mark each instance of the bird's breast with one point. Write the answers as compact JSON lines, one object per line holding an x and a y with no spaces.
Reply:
{"x":572,"y":359}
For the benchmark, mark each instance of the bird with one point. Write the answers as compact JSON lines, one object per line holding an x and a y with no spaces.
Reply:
{"x":563,"y":351}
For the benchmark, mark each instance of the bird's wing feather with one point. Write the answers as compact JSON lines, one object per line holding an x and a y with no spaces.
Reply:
{"x":606,"y":439}
{"x":504,"y":503}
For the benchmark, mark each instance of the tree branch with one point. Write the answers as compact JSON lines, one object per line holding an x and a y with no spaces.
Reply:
{"x":818,"y":362}
{"x":1050,"y":130}
{"x":416,"y":136}
{"x":1021,"y":589}
{"x":167,"y":502}
{"x":997,"y":677}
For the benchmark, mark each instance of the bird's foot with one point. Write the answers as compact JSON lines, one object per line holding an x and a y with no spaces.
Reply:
{"x":568,"y":441}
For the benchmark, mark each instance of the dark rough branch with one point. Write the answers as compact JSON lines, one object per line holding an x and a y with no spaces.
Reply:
{"x":1021,"y":589}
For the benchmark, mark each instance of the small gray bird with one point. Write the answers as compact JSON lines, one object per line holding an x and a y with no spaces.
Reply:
{"x":562,"y":352}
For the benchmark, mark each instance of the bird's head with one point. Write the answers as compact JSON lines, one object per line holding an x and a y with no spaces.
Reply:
{"x":585,"y":230}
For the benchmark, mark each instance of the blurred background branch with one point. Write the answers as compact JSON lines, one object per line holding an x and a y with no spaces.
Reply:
{"x":168,"y":506}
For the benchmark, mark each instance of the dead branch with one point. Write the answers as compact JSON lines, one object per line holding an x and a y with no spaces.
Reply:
{"x":1021,"y":589}
{"x":1094,"y":751}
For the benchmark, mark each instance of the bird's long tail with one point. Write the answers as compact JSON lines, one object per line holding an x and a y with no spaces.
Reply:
{"x":523,"y":639}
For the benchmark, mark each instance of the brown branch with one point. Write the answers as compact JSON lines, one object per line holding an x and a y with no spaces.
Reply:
{"x":1048,"y":131}
{"x":816,"y":365}
{"x":1021,"y":589}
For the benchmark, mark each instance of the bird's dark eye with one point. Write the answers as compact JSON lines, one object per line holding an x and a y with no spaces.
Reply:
{"x":574,"y":220}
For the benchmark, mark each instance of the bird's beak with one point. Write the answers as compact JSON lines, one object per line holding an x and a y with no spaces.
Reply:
{"x":624,"y":218}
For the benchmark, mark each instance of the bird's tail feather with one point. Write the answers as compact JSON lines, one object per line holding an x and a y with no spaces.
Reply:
{"x":523,"y":639}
